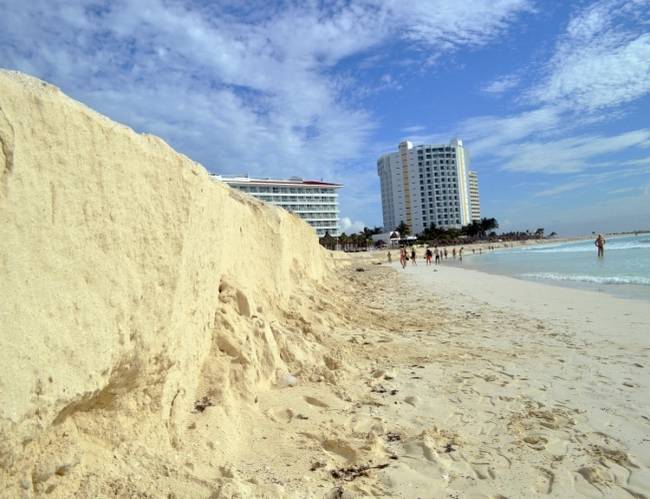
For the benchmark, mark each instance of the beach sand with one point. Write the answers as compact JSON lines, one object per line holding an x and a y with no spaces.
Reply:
{"x":476,"y":385}
{"x":164,"y":336}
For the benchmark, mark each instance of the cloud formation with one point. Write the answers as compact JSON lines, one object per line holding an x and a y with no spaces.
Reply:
{"x":241,"y":88}
{"x":602,"y":60}
{"x":501,"y":85}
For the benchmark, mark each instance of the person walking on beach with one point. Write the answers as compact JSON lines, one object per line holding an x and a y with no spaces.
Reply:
{"x":390,"y":258}
{"x":413,"y":256}
{"x":402,"y":256}
{"x":437,"y":254}
{"x":445,"y":253}
{"x":600,"y":244}
{"x":428,"y":256}
{"x":460,"y":253}
{"x":453,"y":253}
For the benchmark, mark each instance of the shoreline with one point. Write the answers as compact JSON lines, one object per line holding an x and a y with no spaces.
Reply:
{"x":476,"y":262}
{"x":563,"y":351}
{"x":623,"y":291}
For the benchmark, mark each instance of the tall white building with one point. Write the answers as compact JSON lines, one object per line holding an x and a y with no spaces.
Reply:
{"x":474,"y":201}
{"x":425,"y":184}
{"x":313,"y":201}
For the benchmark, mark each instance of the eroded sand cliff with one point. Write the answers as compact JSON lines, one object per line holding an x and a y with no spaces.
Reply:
{"x":133,"y":286}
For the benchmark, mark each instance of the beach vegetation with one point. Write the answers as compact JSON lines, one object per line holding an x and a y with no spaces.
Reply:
{"x":403,"y":229}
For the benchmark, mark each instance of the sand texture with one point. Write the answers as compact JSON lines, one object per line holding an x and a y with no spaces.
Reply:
{"x":132,"y":286}
{"x":163,"y":336}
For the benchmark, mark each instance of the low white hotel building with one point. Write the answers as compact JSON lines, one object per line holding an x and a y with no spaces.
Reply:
{"x":314,"y":201}
{"x":426,"y":184}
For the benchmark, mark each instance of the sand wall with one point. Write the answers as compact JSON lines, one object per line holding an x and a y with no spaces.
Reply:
{"x":124,"y":268}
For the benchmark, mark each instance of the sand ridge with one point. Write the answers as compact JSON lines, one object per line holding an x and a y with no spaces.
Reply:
{"x":132,"y":287}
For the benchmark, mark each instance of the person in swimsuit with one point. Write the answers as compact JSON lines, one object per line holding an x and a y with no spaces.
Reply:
{"x":600,"y":244}
{"x":402,"y":257}
{"x":428,"y":255}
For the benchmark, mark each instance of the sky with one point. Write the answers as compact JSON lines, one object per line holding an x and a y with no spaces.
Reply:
{"x":550,"y":97}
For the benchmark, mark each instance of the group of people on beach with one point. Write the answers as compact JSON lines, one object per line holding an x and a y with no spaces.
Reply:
{"x":437,"y":254}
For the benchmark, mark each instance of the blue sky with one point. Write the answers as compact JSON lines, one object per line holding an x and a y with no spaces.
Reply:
{"x":551,"y":98}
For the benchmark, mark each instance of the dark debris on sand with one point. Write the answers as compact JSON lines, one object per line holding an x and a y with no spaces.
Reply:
{"x":202,"y":404}
{"x":354,"y":472}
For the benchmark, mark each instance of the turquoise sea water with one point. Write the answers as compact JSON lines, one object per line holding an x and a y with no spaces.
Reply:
{"x":623,"y":271}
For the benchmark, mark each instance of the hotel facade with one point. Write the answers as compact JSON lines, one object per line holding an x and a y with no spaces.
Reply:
{"x":426,"y":184}
{"x":474,"y":201}
{"x":314,"y":201}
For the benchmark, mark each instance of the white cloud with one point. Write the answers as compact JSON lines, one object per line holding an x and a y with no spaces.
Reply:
{"x":501,"y":85}
{"x":600,"y":61}
{"x":447,"y":25}
{"x":351,"y":227}
{"x":571,"y":154}
{"x":414,"y":129}
{"x":592,"y":179}
{"x":496,"y":134}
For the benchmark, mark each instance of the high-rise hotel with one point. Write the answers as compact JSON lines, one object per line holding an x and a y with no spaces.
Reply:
{"x":426,"y":184}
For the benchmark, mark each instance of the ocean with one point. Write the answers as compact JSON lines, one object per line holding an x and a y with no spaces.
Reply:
{"x":623,"y":271}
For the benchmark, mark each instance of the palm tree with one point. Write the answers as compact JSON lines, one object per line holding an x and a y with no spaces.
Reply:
{"x":343,"y":240}
{"x":488,"y":224}
{"x":403,"y":229}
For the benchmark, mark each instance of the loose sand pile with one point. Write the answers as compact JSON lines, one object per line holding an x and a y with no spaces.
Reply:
{"x":137,"y":294}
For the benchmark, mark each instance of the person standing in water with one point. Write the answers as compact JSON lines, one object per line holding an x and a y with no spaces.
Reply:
{"x":600,"y":244}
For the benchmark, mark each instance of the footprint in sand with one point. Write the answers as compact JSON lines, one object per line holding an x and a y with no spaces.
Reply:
{"x":340,"y":448}
{"x":544,"y":481}
{"x":536,"y":442}
{"x":315,"y":401}
{"x":280,"y":416}
{"x":595,"y":477}
{"x":484,"y":471}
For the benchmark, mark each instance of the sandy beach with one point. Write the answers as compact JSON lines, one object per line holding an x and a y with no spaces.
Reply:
{"x":478,"y":386}
{"x":164,"y":336}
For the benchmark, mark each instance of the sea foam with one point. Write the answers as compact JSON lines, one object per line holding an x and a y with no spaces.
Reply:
{"x":553,"y":276}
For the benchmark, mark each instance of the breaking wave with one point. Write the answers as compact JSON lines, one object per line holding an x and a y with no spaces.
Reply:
{"x":552,"y":276}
